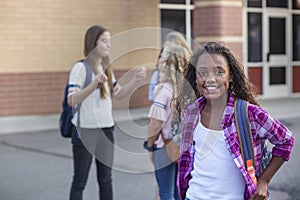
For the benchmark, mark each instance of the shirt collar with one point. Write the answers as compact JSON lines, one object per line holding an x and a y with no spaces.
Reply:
{"x":199,"y":104}
{"x":228,"y":112}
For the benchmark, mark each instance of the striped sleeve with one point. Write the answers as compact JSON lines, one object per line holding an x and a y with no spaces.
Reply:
{"x":158,"y":108}
{"x":76,"y":78}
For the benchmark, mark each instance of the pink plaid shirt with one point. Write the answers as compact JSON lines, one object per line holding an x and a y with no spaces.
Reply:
{"x":263,"y":126}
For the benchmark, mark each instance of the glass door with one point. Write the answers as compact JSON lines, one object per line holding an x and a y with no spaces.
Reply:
{"x":275,"y":71}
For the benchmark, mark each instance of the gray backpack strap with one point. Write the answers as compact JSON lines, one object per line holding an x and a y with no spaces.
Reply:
{"x":88,"y":73}
{"x":88,"y":80}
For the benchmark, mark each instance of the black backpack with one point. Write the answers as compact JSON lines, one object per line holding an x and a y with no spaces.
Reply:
{"x":65,"y":124}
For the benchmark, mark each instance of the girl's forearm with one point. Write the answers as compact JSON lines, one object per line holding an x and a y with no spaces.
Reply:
{"x":78,"y":97}
{"x":126,"y":89}
{"x":154,"y":129}
{"x":273,"y":167}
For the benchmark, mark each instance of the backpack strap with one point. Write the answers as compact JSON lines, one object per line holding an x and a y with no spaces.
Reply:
{"x":244,"y":134}
{"x":88,"y":80}
{"x":88,"y":73}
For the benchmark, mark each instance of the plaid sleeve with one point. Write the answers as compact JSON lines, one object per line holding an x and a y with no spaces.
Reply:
{"x":185,"y":166}
{"x":273,"y":130}
{"x":186,"y":159}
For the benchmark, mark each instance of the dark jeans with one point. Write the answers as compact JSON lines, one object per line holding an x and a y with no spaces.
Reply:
{"x":92,"y":140}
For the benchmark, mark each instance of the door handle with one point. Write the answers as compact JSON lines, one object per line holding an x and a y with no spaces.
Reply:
{"x":268,"y":56}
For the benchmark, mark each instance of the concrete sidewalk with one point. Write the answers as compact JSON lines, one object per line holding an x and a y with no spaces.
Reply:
{"x":284,"y":108}
{"x":33,"y":123}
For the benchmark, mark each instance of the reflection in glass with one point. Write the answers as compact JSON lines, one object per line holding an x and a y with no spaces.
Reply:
{"x":174,"y":20}
{"x":277,"y":35}
{"x":296,"y":4}
{"x":296,"y":37}
{"x":254,"y":3}
{"x":277,"y":3}
{"x":254,"y":37}
{"x":173,"y":1}
{"x":277,"y":75}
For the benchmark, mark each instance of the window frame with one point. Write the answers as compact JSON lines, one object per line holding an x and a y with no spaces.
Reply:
{"x":188,"y":7}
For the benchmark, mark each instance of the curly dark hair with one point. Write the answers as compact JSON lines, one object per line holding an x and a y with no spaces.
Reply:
{"x":240,"y":87}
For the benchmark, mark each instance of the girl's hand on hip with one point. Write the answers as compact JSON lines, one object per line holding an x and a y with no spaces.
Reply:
{"x":261,"y":191}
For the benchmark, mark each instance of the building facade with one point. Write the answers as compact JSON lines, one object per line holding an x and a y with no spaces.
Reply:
{"x":40,"y":41}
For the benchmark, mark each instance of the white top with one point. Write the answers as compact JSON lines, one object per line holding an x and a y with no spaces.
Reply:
{"x":215,"y":175}
{"x":95,"y":112}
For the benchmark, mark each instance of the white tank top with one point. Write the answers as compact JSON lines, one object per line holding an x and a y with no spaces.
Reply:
{"x":215,"y":175}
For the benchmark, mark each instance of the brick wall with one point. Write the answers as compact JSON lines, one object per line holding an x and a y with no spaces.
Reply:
{"x":31,"y":93}
{"x":48,"y":35}
{"x":220,"y":20}
{"x":42,"y":93}
{"x":41,"y":40}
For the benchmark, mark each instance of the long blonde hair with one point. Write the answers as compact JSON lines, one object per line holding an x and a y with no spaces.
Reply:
{"x":174,"y":65}
{"x":178,"y":39}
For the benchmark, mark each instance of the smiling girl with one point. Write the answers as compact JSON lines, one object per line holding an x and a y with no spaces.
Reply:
{"x":211,"y":164}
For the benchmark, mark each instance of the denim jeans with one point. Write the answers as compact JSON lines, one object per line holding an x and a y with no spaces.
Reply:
{"x":165,"y":174}
{"x":82,"y":159}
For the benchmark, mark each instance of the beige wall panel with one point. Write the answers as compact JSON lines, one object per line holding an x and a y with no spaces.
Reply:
{"x":41,"y":40}
{"x":39,"y":36}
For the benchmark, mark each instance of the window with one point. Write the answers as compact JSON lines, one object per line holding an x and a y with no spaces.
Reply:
{"x":277,"y":35}
{"x":176,"y":15}
{"x":254,"y":3}
{"x":254,"y":37}
{"x":174,"y":20}
{"x":277,"y":75}
{"x":173,"y":1}
{"x":277,"y":3}
{"x":296,"y":4}
{"x":296,"y":37}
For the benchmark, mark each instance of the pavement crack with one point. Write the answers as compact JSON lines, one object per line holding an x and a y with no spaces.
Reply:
{"x":35,"y":150}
